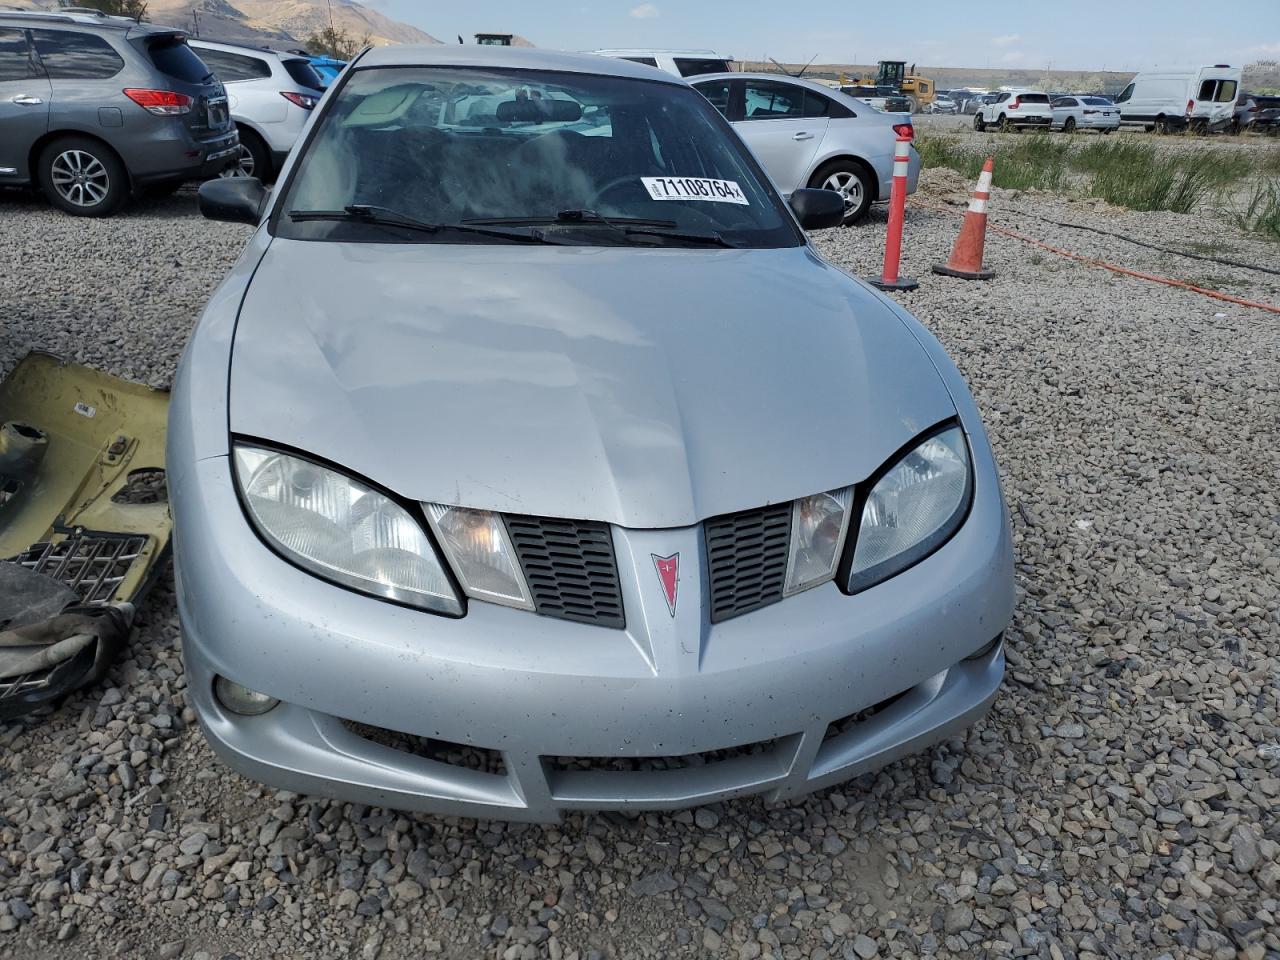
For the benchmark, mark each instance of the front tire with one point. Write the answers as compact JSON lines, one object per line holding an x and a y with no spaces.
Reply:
{"x":852,"y":180}
{"x":83,"y":177}
{"x":978,"y":123}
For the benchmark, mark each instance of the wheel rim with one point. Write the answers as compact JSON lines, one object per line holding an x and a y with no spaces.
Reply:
{"x":849,"y":186}
{"x":244,"y":166}
{"x":80,"y":178}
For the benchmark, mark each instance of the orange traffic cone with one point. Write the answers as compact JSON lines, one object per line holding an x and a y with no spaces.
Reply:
{"x":966,"y":257}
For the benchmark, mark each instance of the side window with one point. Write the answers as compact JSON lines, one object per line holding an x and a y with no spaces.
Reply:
{"x":1206,"y":90}
{"x":1002,"y":98}
{"x":816,"y":105}
{"x":766,"y":100}
{"x":691,"y":67}
{"x":231,"y":67}
{"x":1125,"y":94}
{"x":717,"y":91}
{"x":68,"y":55}
{"x":1226,"y":92}
{"x":647,"y":61}
{"x":15,"y":56}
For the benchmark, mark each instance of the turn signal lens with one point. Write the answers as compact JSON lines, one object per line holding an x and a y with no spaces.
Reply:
{"x":483,"y":557}
{"x":818,"y":527}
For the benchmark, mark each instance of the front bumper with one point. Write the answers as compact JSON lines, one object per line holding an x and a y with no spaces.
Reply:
{"x":740,"y":707}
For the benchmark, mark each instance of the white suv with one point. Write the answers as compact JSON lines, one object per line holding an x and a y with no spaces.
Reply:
{"x":1015,"y":110}
{"x":682,"y":63}
{"x":271,"y":94}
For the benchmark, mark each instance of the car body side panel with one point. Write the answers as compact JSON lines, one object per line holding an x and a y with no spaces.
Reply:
{"x":23,"y":123}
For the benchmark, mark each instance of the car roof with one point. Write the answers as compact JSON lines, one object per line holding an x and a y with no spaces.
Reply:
{"x":85,"y":18}
{"x":514,"y":58}
{"x":245,"y":47}
{"x":651,"y":51}
{"x":780,"y":77}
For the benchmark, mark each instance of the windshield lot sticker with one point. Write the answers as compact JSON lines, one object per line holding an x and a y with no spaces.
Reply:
{"x":695,"y":188}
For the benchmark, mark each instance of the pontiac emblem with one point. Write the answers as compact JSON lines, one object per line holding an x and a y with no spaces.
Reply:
{"x":669,"y":576}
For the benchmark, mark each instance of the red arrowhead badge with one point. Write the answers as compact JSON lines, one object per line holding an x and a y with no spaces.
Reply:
{"x":669,"y":575}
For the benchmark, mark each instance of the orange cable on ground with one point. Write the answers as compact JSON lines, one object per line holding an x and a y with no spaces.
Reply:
{"x":1093,"y":262}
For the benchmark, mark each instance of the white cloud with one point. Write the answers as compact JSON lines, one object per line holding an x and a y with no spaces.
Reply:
{"x":1005,"y":40}
{"x":646,"y":11}
{"x":1266,"y":49}
{"x":1013,"y":56}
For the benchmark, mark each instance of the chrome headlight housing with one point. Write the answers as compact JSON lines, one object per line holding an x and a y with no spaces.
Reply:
{"x":915,"y":504}
{"x":342,"y":529}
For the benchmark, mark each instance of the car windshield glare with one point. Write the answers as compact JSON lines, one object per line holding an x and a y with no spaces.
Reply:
{"x":573,"y":156}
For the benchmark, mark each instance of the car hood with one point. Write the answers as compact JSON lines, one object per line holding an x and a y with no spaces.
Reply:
{"x":647,"y":388}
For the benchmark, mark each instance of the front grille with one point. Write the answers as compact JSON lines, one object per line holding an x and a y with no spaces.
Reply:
{"x":747,"y":559}
{"x":92,"y":565}
{"x":570,"y":568}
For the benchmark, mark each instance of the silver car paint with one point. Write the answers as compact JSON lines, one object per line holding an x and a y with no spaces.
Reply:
{"x":533,"y":687}
{"x":597,"y":383}
{"x":868,"y":136}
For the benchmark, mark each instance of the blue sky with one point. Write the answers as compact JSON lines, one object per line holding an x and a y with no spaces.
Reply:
{"x":1072,"y":35}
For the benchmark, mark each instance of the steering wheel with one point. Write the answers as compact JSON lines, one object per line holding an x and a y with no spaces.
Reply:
{"x":630,"y":180}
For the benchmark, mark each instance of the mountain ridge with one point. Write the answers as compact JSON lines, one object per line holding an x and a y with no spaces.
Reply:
{"x":270,"y":21}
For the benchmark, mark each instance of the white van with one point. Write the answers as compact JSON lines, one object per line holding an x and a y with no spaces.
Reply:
{"x":1168,"y":100}
{"x":683,"y":63}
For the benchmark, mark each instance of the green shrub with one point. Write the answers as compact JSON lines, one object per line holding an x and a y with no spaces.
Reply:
{"x":1261,"y":212}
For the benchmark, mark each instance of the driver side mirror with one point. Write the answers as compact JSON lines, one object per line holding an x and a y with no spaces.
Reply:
{"x":818,"y":209}
{"x":236,"y":200}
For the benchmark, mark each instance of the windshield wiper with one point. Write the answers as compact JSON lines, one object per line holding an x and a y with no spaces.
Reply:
{"x":703,"y":239}
{"x":625,"y":226}
{"x":387,"y":217}
{"x":576,"y":217}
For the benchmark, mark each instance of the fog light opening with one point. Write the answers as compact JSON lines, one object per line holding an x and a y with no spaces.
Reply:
{"x":238,"y":698}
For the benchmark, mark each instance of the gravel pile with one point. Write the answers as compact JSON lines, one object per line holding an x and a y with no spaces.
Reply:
{"x":1120,"y":801}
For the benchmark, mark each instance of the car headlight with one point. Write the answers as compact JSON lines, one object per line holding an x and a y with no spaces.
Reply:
{"x":914,"y":508}
{"x":342,"y":530}
{"x":818,"y":527}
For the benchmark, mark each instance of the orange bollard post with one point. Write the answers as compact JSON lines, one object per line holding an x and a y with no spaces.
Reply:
{"x":889,"y":279}
{"x":966,"y":257}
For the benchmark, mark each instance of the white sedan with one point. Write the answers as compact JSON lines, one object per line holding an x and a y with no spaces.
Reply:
{"x":1073,"y":113}
{"x":809,"y":135}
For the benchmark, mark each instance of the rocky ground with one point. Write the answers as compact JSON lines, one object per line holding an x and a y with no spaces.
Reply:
{"x":1120,"y":800}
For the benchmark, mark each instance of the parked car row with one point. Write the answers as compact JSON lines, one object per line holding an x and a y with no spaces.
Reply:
{"x":95,"y":109}
{"x":1207,"y":99}
{"x":804,"y":133}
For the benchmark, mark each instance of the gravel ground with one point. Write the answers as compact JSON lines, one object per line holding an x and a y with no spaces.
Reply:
{"x":1120,"y":800}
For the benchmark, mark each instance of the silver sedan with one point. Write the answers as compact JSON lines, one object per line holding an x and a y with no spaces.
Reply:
{"x":809,"y":135}
{"x":1071,"y":113}
{"x":531,"y":459}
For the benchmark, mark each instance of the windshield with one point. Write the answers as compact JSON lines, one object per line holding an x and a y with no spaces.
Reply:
{"x":451,"y":145}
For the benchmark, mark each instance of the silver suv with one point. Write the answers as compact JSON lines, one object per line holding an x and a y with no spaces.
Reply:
{"x":271,"y":95}
{"x":96,"y":108}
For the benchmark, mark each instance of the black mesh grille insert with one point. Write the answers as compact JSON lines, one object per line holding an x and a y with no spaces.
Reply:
{"x":570,"y":568}
{"x":747,"y":559}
